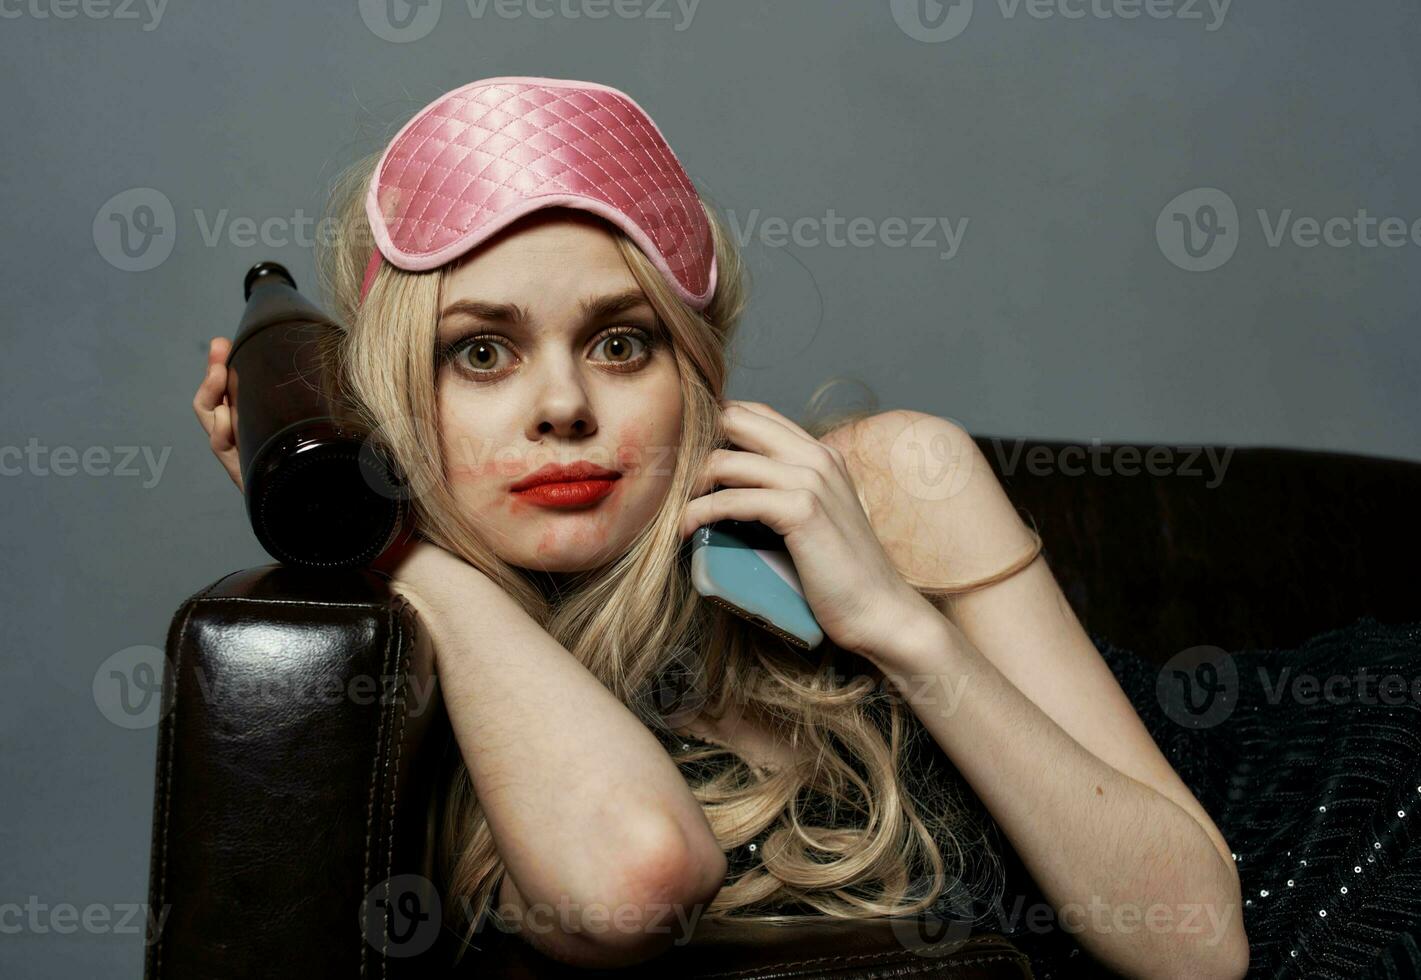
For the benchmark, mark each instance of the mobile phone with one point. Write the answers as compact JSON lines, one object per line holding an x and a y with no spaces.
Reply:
{"x":745,"y":567}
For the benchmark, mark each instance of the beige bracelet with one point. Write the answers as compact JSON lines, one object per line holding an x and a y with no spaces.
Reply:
{"x":963,"y":588}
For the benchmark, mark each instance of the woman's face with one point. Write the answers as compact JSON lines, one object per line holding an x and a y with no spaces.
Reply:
{"x":551,"y":354}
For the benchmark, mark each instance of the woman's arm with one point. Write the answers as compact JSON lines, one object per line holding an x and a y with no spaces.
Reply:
{"x":591,"y":817}
{"x":608,"y":854}
{"x":1123,"y":865}
{"x":1013,"y":690}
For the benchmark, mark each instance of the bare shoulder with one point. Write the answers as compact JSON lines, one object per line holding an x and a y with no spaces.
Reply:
{"x":931,"y":495}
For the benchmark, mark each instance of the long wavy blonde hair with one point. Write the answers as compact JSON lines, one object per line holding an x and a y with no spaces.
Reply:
{"x":851,"y":831}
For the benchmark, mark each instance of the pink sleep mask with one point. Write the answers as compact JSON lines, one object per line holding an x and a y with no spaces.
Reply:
{"x":483,"y":155}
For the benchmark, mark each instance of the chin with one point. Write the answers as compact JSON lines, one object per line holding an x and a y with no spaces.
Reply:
{"x":569,"y":559}
{"x":560,"y":566}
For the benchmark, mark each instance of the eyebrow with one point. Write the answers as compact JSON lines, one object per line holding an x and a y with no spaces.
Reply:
{"x":593,"y":308}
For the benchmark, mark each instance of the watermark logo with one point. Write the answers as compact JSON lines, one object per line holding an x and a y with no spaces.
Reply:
{"x":930,"y":935}
{"x":675,"y":213}
{"x":932,"y":21}
{"x":1198,"y":231}
{"x":932,"y":461}
{"x":1198,"y":687}
{"x":400,"y":21}
{"x":379,"y":464}
{"x":135,"y":229}
{"x":938,"y":932}
{"x":677,"y":694}
{"x":401,"y":916}
{"x":128,"y":687}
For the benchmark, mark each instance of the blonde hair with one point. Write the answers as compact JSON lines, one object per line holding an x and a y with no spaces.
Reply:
{"x":850,"y":831}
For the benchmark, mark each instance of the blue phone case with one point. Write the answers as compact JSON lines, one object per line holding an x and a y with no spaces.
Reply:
{"x":744,"y":566}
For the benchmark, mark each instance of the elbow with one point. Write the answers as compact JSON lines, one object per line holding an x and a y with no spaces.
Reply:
{"x":659,"y":898}
{"x":1235,"y":963}
{"x":1226,"y":959}
{"x":1233,"y":955}
{"x":1227,"y":966}
{"x":1192,"y":941}
{"x":1216,"y":944}
{"x":663,"y":912}
{"x":663,"y":896}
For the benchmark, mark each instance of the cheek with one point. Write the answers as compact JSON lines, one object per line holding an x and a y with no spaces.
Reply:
{"x":647,"y":449}
{"x":631,"y":446}
{"x":473,"y":457}
{"x":648,"y":444}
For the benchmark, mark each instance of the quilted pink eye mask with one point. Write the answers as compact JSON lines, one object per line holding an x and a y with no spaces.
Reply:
{"x":481,"y":156}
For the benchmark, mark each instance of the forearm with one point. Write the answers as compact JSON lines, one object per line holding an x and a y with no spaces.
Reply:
{"x":1127,"y":869}
{"x":584,"y":804}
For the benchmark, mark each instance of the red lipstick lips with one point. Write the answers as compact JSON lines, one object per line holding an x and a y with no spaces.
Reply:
{"x":574,"y":485}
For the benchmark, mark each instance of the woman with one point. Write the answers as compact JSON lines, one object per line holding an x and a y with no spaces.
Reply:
{"x":492,"y":337}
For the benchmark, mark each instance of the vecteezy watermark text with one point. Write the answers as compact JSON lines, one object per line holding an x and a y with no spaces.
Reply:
{"x":34,"y":459}
{"x":930,"y":936}
{"x":402,"y":21}
{"x":1106,"y":460}
{"x":121,"y":919}
{"x":88,"y":9}
{"x":128,"y":688}
{"x":837,"y":231}
{"x":936,"y":21}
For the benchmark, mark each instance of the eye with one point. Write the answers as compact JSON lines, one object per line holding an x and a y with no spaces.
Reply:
{"x":621,"y":345}
{"x":626,"y":349}
{"x":482,"y":356}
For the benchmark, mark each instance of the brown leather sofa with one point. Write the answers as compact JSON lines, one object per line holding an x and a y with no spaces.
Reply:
{"x":299,"y":737}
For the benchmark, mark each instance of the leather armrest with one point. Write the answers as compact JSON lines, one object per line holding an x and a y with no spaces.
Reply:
{"x":292,"y":782}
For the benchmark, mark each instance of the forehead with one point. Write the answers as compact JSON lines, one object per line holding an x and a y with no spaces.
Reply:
{"x":549,"y":257}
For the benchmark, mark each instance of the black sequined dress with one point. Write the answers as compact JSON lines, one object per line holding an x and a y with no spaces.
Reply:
{"x":1309,"y":761}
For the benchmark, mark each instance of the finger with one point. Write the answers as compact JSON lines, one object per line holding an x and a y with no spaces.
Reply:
{"x":222,"y":429}
{"x":732,"y":468}
{"x":765,"y":434}
{"x":209,"y":394}
{"x":217,"y":350}
{"x":780,"y":510}
{"x":760,"y":408}
{"x":214,"y":382}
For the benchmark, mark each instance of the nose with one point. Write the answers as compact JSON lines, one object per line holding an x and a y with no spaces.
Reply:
{"x":562,"y":409}
{"x":565,"y":425}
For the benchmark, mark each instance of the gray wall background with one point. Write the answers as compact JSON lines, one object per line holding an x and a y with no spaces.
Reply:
{"x":1061,"y":314}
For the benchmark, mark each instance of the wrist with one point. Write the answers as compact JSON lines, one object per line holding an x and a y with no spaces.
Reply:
{"x":435,"y":581}
{"x":915,"y":635}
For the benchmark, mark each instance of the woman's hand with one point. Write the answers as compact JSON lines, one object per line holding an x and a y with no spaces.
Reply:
{"x":210,"y":404}
{"x":801,"y":489}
